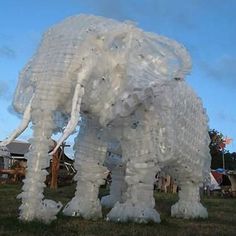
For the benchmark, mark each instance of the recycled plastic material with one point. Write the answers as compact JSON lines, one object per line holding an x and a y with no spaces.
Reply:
{"x":119,"y":83}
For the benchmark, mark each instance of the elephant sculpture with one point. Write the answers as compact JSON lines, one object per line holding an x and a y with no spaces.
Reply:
{"x":122,"y":85}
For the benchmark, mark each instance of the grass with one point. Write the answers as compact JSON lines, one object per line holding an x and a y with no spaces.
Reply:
{"x":221,"y":221}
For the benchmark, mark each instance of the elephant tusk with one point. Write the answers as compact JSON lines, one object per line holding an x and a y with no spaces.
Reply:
{"x":75,"y":116}
{"x":23,"y":125}
{"x":76,"y":103}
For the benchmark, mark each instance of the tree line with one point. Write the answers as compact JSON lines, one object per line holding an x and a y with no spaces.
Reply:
{"x":221,"y":157}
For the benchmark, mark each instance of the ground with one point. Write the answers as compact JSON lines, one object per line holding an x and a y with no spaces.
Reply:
{"x":221,"y":221}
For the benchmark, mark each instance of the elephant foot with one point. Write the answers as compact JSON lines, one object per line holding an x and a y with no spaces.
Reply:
{"x":46,"y":212}
{"x":109,"y":201}
{"x":123,"y":212}
{"x":49,"y":210}
{"x":86,"y":209}
{"x":188,"y":210}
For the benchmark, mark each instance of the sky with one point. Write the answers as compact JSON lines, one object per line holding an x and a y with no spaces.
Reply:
{"x":206,"y":28}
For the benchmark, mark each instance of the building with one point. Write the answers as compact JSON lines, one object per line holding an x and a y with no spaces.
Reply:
{"x":12,"y":158}
{"x":17,"y":150}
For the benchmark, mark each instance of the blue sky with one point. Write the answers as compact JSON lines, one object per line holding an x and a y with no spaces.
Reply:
{"x":206,"y":27}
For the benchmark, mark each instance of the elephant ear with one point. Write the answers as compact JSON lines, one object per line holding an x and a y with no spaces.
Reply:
{"x":169,"y":58}
{"x":24,"y":90}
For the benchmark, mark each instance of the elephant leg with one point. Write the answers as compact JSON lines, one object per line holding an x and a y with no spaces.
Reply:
{"x":189,"y":181}
{"x":33,"y":206}
{"x":140,"y":175}
{"x":89,"y":158}
{"x":117,"y":188}
{"x":189,"y":205}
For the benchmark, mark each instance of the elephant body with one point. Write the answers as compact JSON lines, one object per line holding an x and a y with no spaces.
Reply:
{"x":123,"y":85}
{"x":112,"y":50}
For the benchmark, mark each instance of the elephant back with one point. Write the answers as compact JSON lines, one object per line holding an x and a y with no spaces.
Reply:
{"x":138,"y":58}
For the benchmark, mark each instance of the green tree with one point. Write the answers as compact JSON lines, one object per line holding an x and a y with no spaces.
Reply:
{"x":217,"y":139}
{"x":221,"y":158}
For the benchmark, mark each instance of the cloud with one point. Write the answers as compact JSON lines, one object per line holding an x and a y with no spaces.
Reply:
{"x":5,"y":37}
{"x":4,"y":89}
{"x":223,"y":117}
{"x":107,"y":8}
{"x":223,"y":70}
{"x":156,"y":11}
{"x":7,"y":52}
{"x":12,"y":111}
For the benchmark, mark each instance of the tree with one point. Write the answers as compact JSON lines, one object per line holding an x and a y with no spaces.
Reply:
{"x":221,"y":158}
{"x":216,"y":141}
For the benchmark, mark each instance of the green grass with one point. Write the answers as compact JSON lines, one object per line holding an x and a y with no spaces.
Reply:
{"x":221,"y":221}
